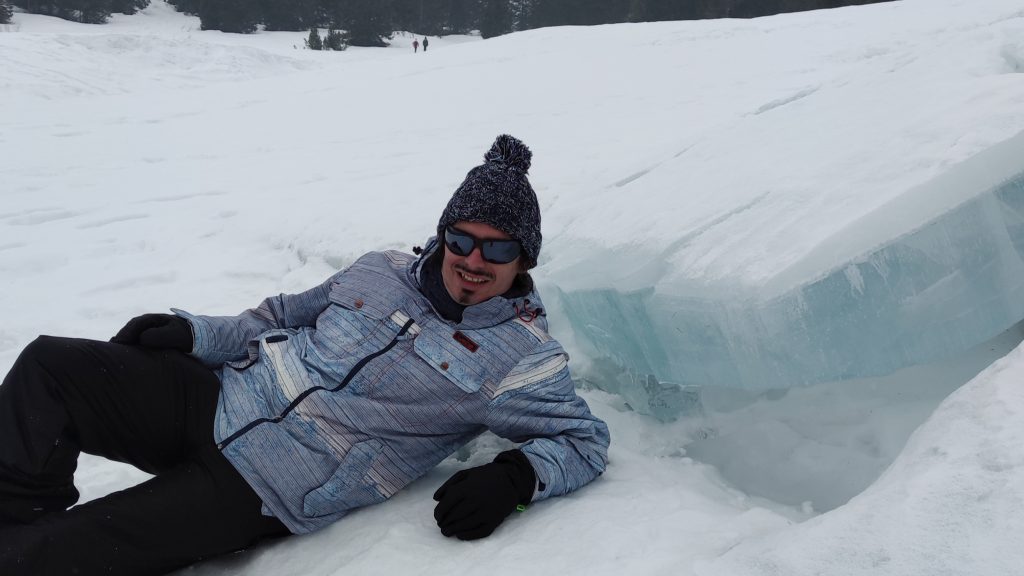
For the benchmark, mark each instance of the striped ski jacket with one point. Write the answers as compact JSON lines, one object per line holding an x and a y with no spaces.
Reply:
{"x":340,"y":396}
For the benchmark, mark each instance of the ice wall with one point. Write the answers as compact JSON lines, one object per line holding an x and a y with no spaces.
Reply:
{"x":920,"y":295}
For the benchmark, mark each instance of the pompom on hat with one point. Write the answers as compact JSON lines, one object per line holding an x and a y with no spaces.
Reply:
{"x":499,"y":194}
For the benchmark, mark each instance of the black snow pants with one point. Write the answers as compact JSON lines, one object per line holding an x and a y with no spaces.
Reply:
{"x":153,"y":409}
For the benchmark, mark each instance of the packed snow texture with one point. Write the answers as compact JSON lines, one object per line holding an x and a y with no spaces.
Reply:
{"x":799,"y":233}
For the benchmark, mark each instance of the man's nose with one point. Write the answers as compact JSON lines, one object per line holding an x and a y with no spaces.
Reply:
{"x":476,"y":257}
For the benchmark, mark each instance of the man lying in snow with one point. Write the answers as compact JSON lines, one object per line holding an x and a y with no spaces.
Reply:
{"x":290,"y":415}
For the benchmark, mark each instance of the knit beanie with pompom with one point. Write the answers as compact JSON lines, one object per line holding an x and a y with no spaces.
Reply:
{"x":499,"y":194}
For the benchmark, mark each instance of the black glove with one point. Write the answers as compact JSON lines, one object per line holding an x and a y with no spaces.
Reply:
{"x":156,"y":331}
{"x":473,"y":502}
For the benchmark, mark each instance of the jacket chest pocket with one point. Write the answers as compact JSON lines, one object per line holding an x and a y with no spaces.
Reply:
{"x":351,"y":323}
{"x":464,"y":360}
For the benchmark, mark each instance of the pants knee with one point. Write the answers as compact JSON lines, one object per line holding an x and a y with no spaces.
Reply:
{"x":46,"y":349}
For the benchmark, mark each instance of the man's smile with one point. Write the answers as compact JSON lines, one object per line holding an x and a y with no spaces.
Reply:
{"x":471,"y":277}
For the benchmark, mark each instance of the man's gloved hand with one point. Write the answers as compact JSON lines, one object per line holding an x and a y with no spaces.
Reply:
{"x":156,"y":331}
{"x":473,"y":502}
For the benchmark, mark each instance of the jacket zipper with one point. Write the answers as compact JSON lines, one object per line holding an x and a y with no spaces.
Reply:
{"x":348,"y":377}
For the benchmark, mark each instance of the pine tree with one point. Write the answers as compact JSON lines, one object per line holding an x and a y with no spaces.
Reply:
{"x":637,"y":11}
{"x":368,"y":22}
{"x":543,"y":13}
{"x":330,"y":13}
{"x":407,"y":15}
{"x":128,"y":6}
{"x":293,"y":15}
{"x":435,"y":16}
{"x":314,"y":42}
{"x":239,"y":16}
{"x":458,"y":18}
{"x":519,"y":13}
{"x":6,"y":12}
{"x":430,"y":17}
{"x":335,"y":40}
{"x":87,"y":11}
{"x":496,"y":19}
{"x":540,"y":13}
{"x":190,"y":7}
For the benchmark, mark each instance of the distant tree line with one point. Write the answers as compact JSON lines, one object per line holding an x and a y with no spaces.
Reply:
{"x":5,"y":12}
{"x":372,"y":22}
{"x":86,"y":11}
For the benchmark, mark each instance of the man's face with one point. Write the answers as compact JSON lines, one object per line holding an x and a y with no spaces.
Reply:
{"x":471,"y":279}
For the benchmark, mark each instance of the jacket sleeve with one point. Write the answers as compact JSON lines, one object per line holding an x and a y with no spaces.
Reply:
{"x":220,"y":339}
{"x":537,"y":405}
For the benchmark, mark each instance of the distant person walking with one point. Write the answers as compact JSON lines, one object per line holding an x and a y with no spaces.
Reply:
{"x":416,"y":45}
{"x":425,"y":42}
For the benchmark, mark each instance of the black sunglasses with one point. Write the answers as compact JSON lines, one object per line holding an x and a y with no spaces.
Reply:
{"x":493,"y":251}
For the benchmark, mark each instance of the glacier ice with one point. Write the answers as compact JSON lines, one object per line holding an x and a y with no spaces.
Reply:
{"x":947,"y":274}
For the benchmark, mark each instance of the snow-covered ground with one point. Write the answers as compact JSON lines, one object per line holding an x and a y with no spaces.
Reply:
{"x":146,"y":164}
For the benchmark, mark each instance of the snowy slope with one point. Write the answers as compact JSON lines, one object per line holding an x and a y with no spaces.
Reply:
{"x":146,"y":164}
